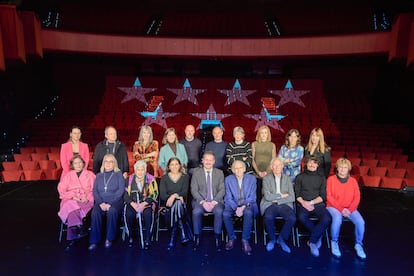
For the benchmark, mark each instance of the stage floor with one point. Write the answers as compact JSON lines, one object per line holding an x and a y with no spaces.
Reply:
{"x":30,"y":226}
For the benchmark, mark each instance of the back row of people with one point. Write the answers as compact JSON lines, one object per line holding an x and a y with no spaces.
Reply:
{"x":256,"y":156}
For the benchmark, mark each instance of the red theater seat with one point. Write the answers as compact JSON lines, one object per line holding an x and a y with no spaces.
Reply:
{"x":9,"y":176}
{"x":392,"y":182}
{"x":371,"y":181}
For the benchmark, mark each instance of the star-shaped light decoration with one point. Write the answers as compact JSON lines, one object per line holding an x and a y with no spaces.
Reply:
{"x":186,"y":93}
{"x":136,"y":92}
{"x":159,"y":119}
{"x":262,"y":120}
{"x":237,"y":94}
{"x":289,"y":94}
{"x":210,"y":115}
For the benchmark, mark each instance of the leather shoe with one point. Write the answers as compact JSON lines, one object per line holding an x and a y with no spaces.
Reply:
{"x":130,"y":242}
{"x":230,"y":244}
{"x":108,"y":244}
{"x":92,"y":246}
{"x":283,"y":245}
{"x":196,"y":244}
{"x":218,"y":245}
{"x":246,"y":248}
{"x":147,"y":245}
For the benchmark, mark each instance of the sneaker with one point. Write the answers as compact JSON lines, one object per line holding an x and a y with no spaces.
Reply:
{"x":335,"y":249}
{"x":314,"y":250}
{"x":270,"y":245}
{"x":360,"y":251}
{"x":283,"y":245}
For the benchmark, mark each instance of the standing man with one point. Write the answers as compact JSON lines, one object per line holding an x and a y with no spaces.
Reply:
{"x":111,"y":145}
{"x":240,"y":200}
{"x":193,"y":148}
{"x":310,"y":190}
{"x":207,"y":189}
{"x":278,"y":199}
{"x":218,"y":147}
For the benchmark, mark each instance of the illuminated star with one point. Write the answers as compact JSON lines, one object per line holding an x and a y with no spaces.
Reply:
{"x":186,"y":93}
{"x":136,"y":92}
{"x":159,"y":119}
{"x":210,"y":115}
{"x":237,"y":94}
{"x":263,"y":121}
{"x":289,"y":94}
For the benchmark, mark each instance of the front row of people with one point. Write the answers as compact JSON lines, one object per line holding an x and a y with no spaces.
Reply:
{"x":228,"y":199}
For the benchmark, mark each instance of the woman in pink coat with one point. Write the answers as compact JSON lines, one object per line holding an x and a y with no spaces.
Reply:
{"x":75,"y":191}
{"x":73,"y":147}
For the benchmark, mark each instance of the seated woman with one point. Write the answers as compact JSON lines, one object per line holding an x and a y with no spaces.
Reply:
{"x":146,"y":148}
{"x":74,"y":146}
{"x":343,"y":196}
{"x":140,"y":198}
{"x":171,"y":148}
{"x":263,"y":151}
{"x":75,"y":191}
{"x":317,"y":147}
{"x":173,"y":190}
{"x":291,"y":153}
{"x":108,"y":190}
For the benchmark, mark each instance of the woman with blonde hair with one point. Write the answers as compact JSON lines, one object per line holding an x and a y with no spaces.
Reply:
{"x":263,"y":151}
{"x":146,"y":149}
{"x":292,"y":153}
{"x":108,"y":190}
{"x":317,"y":147}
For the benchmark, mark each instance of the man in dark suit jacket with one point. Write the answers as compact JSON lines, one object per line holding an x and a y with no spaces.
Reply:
{"x":278,"y":198}
{"x":207,"y":199}
{"x":240,"y":200}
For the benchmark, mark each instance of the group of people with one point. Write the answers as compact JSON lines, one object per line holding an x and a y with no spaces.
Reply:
{"x":224,"y":181}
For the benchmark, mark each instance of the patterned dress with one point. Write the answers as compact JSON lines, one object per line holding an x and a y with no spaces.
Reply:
{"x":293,"y":168}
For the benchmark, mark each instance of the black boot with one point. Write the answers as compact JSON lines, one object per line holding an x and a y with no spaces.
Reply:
{"x":82,"y":232}
{"x":172,"y":237}
{"x":183,"y":235}
{"x":218,"y":243}
{"x":69,"y":245}
{"x":196,"y":244}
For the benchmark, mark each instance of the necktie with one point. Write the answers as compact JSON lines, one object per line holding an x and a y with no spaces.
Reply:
{"x":209,"y":188}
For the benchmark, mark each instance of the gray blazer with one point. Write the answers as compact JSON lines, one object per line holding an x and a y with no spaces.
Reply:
{"x":269,"y":191}
{"x":199,"y":185}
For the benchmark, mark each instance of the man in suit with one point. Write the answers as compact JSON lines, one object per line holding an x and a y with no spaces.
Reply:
{"x":240,"y":200}
{"x":207,"y":198}
{"x":278,"y":198}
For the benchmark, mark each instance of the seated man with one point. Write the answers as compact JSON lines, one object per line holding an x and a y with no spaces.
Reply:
{"x":310,"y":191}
{"x":278,"y":198}
{"x":240,"y":200}
{"x":207,"y":189}
{"x":342,"y":200}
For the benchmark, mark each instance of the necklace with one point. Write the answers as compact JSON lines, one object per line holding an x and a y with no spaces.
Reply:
{"x":107,"y":182}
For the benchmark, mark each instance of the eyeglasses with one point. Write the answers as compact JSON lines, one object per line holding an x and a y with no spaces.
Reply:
{"x":78,"y":163}
{"x":108,"y":161}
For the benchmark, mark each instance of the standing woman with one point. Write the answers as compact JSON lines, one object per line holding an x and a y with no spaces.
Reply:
{"x":140,"y":199}
{"x":173,"y":191}
{"x":146,"y":148}
{"x":170,"y":149}
{"x":108,"y":190}
{"x":263,"y":151}
{"x":317,"y":147}
{"x":74,"y":146}
{"x":291,"y":153}
{"x":239,"y":149}
{"x":75,"y":191}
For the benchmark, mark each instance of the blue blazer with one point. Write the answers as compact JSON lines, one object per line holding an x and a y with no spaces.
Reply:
{"x":231,"y":197}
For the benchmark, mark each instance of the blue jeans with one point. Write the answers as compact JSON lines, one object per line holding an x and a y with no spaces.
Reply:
{"x":248,"y":214}
{"x":356,"y":219}
{"x":284,"y":211}
{"x":317,"y":229}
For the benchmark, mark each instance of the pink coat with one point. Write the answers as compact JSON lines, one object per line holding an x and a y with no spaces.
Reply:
{"x":66,"y":153}
{"x":73,"y":186}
